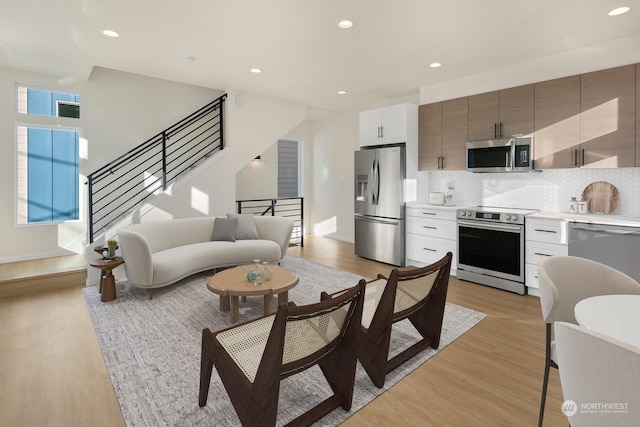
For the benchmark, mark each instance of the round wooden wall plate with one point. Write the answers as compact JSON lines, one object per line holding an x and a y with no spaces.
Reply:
{"x":601,"y":197}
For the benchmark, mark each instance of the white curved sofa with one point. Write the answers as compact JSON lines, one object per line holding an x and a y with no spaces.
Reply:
{"x":160,"y":253}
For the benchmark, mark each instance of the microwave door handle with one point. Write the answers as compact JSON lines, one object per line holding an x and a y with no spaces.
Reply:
{"x":512,"y":165}
{"x":507,"y":159}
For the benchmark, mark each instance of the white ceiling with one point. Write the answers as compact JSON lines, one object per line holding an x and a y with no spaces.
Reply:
{"x":304,"y":56}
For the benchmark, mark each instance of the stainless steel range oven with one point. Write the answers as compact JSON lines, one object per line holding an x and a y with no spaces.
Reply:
{"x":491,"y":247}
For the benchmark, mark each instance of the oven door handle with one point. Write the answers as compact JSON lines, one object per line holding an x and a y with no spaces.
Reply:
{"x":490,"y":226}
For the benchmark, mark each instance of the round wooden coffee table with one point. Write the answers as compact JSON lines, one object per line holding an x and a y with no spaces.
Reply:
{"x":232,"y":283}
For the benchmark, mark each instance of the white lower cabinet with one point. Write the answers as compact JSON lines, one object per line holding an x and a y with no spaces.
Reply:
{"x":431,"y":233}
{"x":543,"y":238}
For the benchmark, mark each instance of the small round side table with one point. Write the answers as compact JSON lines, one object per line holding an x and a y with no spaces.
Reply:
{"x":106,"y":277}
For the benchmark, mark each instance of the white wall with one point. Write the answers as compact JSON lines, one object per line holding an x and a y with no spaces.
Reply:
{"x":119,"y":111}
{"x":259,"y":179}
{"x":251,"y":127}
{"x":122,"y":110}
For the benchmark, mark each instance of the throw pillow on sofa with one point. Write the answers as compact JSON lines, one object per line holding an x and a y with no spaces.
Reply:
{"x":246,"y":226}
{"x":225,"y":229}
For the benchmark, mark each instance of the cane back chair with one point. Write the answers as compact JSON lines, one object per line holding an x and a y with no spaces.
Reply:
{"x":252,"y":358}
{"x":417,"y":294}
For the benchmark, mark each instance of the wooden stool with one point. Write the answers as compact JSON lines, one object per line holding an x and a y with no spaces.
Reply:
{"x":107,"y":282}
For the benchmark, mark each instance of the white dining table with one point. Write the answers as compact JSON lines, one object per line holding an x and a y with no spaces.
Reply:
{"x":617,"y":316}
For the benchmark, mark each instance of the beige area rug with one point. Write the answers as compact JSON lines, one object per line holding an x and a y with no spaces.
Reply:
{"x":152,"y":349}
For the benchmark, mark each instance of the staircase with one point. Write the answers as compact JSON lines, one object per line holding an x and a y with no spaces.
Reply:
{"x":117,"y":189}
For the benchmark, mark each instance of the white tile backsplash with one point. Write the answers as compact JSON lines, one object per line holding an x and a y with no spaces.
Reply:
{"x":548,"y":190}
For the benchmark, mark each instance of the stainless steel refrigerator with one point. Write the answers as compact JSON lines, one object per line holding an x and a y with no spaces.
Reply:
{"x":380,"y":204}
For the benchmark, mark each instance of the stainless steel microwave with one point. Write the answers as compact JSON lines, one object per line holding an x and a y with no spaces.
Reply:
{"x":500,"y":155}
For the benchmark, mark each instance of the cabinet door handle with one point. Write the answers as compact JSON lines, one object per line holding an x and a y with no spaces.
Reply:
{"x":500,"y":132}
{"x":428,"y":249}
{"x":575,"y":157}
{"x":582,"y":157}
{"x":429,"y":227}
{"x":545,"y":231}
{"x":378,"y":131}
{"x":495,"y":130}
{"x":381,"y":131}
{"x":429,"y":213}
{"x":541,"y":254}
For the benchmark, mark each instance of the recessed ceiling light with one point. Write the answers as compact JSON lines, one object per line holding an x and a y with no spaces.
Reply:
{"x":342,"y":92}
{"x":256,"y":70}
{"x":110,"y":33}
{"x":619,"y":11}
{"x":435,"y":65}
{"x":188,"y":59}
{"x":344,"y":24}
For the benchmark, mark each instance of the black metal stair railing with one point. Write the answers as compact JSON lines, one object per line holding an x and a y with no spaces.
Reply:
{"x":290,"y":207}
{"x":118,"y":188}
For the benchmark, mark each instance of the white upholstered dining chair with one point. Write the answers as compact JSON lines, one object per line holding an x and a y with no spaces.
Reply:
{"x":564,"y":281}
{"x":599,"y":377}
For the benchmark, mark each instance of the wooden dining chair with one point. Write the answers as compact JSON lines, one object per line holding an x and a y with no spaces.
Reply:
{"x":563,"y":282}
{"x":252,"y":358}
{"x":417,"y":294}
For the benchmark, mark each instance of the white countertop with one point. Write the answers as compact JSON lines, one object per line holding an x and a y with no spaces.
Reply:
{"x":438,"y":207}
{"x":588,"y":218}
{"x":611,"y":219}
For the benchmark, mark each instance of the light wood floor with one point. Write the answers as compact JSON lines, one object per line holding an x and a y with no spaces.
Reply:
{"x":52,"y":372}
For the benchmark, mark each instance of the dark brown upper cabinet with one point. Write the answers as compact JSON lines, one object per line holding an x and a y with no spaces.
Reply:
{"x":502,"y":114}
{"x":608,"y":118}
{"x":429,"y":136}
{"x":557,"y":123}
{"x":443,"y":134}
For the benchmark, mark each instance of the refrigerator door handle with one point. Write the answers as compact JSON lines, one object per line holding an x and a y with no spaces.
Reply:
{"x":377,"y":181}
{"x":373,"y":181}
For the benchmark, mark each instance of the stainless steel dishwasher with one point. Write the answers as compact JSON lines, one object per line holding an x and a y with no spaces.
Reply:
{"x":613,"y":245}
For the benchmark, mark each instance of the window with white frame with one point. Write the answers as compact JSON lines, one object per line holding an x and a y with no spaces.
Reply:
{"x":48,"y":159}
